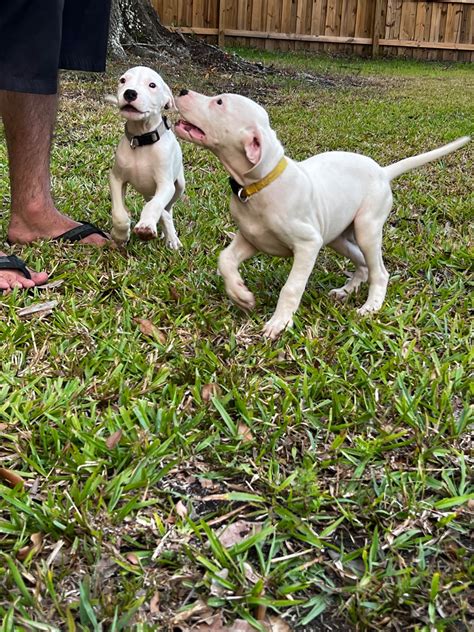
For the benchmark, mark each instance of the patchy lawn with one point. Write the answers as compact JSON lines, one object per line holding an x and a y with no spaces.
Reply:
{"x":337,"y":460}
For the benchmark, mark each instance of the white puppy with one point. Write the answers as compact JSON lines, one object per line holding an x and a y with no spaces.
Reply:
{"x":289,"y":208}
{"x":148,"y":157}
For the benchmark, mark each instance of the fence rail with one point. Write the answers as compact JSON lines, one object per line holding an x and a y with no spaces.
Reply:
{"x":431,"y":29}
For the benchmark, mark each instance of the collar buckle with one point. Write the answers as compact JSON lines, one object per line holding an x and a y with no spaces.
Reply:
{"x":243,"y":197}
{"x":149,"y":138}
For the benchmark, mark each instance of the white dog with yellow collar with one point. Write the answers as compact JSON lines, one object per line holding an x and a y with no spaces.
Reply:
{"x":148,"y":157}
{"x":289,"y":208}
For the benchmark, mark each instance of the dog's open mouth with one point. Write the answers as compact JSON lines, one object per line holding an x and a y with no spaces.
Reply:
{"x":186,"y":129}
{"x":130,"y":108}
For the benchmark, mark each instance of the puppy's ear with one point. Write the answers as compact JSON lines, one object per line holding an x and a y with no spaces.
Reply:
{"x":168,"y":103}
{"x":253,"y":145}
{"x":111,"y":98}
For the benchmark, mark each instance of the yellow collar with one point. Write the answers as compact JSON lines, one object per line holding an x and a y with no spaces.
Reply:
{"x":243,"y":193}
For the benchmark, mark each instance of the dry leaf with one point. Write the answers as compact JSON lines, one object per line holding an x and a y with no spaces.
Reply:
{"x":209,"y":391}
{"x":113,"y":440}
{"x":237,"y":532}
{"x":212,"y":624}
{"x":39,"y":309}
{"x":277,"y":624}
{"x":3,"y":427}
{"x":240,"y":625}
{"x":217,"y":589}
{"x":11,"y":477}
{"x":149,"y":329}
{"x":207,"y":499}
{"x":23,"y":552}
{"x":198,"y":609}
{"x":154,"y":603}
{"x":181,"y":510}
{"x":50,"y":286}
{"x":206,"y":483}
{"x":133,"y":559}
{"x":174,"y":294}
{"x":244,"y":431}
{"x":37,"y":540}
{"x":55,"y":552}
{"x":250,"y":574}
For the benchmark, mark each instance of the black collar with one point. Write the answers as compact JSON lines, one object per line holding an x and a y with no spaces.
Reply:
{"x":150,"y":137}
{"x":235,"y":186}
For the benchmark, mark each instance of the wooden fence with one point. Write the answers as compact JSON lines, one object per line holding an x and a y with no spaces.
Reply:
{"x":433,"y":29}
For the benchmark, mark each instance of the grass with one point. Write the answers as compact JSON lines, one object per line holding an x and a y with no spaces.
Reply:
{"x":344,"y":448}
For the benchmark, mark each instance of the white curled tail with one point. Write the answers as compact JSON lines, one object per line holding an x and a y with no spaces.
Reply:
{"x":397,"y":168}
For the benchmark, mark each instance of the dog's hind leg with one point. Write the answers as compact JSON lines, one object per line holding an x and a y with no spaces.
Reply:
{"x":347,"y":247}
{"x":178,"y":191}
{"x":368,"y":227}
{"x":166,"y":220}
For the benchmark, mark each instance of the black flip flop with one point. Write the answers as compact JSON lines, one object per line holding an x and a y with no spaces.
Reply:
{"x":80,"y":232}
{"x":12,"y":262}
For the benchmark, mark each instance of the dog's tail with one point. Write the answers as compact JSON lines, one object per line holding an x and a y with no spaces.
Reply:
{"x":397,"y":168}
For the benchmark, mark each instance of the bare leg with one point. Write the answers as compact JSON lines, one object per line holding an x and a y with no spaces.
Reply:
{"x":29,"y":121}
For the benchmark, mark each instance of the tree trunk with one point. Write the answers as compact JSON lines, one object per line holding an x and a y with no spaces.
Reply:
{"x":135,"y":29}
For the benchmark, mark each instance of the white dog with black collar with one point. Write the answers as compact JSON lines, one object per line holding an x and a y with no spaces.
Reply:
{"x":148,"y":157}
{"x":288,"y":208}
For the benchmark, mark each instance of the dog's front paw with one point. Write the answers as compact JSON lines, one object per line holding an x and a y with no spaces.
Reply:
{"x":174,"y":243}
{"x":144,"y":231}
{"x":370,"y":307}
{"x":241,"y":296}
{"x":276,"y":325}
{"x":339,"y":294}
{"x":120,"y":235}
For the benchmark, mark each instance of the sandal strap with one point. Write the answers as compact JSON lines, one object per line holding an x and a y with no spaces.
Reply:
{"x":80,"y":232}
{"x":12,"y":262}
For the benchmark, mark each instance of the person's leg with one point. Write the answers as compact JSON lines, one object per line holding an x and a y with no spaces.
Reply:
{"x":29,"y":121}
{"x":30,"y":32}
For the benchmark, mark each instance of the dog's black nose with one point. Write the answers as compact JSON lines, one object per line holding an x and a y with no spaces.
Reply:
{"x":130,"y":95}
{"x":183,"y":92}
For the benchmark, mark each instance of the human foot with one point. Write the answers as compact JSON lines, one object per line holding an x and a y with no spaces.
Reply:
{"x":14,"y":273}
{"x":40,"y":224}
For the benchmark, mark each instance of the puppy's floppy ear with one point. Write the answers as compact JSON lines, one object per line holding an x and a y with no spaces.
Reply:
{"x":253,"y":145}
{"x":169,"y":103}
{"x":111,"y":98}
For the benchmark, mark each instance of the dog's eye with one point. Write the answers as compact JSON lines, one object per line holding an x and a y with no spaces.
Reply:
{"x":219,"y":101}
{"x":152,"y":85}
{"x":122,"y":80}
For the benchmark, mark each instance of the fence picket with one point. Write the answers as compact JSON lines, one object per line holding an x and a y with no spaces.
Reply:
{"x":426,"y":29}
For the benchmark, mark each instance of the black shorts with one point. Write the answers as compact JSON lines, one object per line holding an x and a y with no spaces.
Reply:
{"x":37,"y":37}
